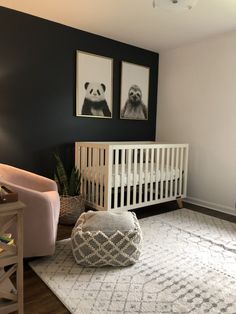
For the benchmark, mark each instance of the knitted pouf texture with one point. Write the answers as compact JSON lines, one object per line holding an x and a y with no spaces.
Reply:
{"x":106,"y":239}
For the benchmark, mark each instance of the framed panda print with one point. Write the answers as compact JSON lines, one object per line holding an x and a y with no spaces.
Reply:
{"x":93,"y":85}
{"x":134,"y":91}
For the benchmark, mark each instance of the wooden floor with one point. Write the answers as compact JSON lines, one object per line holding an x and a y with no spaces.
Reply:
{"x":38,"y":298}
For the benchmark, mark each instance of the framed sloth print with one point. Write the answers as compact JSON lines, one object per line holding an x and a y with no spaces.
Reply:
{"x":93,"y":85}
{"x":134,"y":91}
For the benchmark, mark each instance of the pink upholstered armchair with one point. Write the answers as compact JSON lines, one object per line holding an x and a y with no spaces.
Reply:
{"x":41,"y":214}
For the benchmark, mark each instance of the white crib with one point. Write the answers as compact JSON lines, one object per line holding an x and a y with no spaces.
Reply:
{"x":128,"y":175}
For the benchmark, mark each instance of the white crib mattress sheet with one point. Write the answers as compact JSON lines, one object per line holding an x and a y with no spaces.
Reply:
{"x":121,"y":178}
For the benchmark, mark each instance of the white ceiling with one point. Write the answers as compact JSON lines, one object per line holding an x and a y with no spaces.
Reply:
{"x":135,"y":21}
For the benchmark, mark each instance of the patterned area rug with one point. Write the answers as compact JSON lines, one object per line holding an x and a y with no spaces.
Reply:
{"x":188,"y":265}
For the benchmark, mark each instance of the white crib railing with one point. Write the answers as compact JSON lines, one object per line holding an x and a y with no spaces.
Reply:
{"x":129,"y":175}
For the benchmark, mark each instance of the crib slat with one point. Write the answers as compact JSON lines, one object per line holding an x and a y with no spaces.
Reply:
{"x":116,"y":178}
{"x":176,"y":171}
{"x":146,"y":175}
{"x":77,"y":157}
{"x":167,"y":171}
{"x":151,"y":174}
{"x":92,"y":176}
{"x":157,"y":168}
{"x":162,"y":172}
{"x":96,"y":174}
{"x":140,"y":174}
{"x":122,"y":192}
{"x":185,"y":174}
{"x":88,"y":187}
{"x":108,"y":177}
{"x":101,"y":177}
{"x":180,"y":171}
{"x":135,"y":176}
{"x":172,"y":170}
{"x":78,"y":160}
{"x":83,"y":173}
{"x":128,"y":176}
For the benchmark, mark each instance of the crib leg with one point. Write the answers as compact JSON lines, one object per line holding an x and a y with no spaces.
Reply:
{"x":179,"y":201}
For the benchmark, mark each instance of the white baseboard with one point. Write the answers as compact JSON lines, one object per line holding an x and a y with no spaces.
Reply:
{"x":214,"y":206}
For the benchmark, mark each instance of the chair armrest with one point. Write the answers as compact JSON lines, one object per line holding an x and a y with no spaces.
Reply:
{"x":30,"y":180}
{"x":29,"y":196}
{"x":39,"y":205}
{"x":41,"y":216}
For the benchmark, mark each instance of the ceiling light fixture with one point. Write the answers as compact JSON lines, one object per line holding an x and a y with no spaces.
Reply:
{"x":175,"y":5}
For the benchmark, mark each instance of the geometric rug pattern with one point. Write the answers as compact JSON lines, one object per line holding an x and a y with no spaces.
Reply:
{"x":187,"y":265}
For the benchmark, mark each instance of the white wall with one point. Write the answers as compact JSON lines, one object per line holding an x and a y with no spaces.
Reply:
{"x":197,"y":105}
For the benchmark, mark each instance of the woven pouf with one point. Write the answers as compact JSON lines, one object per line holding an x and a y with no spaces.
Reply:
{"x":106,"y":239}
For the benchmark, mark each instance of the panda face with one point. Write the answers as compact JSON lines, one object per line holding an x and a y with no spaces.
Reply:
{"x":95,"y":91}
{"x":135,"y":94}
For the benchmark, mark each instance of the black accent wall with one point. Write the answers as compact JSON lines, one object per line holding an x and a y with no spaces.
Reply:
{"x":37,"y":91}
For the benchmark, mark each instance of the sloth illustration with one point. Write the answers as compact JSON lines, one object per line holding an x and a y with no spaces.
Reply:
{"x":134,"y":107}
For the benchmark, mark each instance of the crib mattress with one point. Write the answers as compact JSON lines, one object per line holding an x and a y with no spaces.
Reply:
{"x":120,"y":178}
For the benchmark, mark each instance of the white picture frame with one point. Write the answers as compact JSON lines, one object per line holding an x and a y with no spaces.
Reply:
{"x":134,"y":91}
{"x":94,"y":90}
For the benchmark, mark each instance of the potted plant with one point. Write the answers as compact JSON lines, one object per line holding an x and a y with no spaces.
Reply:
{"x":71,"y":201}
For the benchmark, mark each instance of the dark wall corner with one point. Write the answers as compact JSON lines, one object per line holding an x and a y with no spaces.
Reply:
{"x":37,"y":92}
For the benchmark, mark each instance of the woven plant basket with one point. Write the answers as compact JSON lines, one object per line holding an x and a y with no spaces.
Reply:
{"x":71,"y":208}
